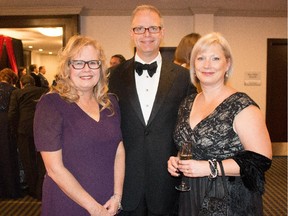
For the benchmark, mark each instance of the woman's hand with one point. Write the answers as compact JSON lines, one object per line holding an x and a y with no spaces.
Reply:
{"x":194,"y":168}
{"x":172,"y":166}
{"x":113,"y":205}
{"x":100,"y":211}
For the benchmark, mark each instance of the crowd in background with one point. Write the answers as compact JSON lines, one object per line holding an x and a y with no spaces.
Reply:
{"x":22,"y":165}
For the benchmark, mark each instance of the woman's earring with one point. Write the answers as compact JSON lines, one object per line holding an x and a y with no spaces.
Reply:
{"x":226,"y":75}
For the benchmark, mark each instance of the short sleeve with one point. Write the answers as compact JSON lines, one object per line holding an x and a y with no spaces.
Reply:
{"x":48,"y":123}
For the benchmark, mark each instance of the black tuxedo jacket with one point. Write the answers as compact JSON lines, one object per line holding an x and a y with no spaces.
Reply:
{"x":148,"y":147}
{"x":22,"y":108}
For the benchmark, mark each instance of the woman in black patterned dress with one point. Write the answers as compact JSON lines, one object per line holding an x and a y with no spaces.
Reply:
{"x":223,"y":125}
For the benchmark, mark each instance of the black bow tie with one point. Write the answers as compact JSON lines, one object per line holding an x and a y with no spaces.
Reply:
{"x":151,"y":68}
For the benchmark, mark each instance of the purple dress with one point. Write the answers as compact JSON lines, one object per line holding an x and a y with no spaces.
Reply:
{"x":88,"y":150}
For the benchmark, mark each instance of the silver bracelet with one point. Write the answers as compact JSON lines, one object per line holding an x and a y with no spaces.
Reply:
{"x":213,"y":168}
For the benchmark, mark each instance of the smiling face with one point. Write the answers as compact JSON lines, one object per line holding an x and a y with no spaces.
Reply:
{"x":147,"y":44}
{"x":211,"y":65}
{"x":85,"y":79}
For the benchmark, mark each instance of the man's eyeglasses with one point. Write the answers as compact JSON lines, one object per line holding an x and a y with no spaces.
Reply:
{"x":151,"y":29}
{"x":80,"y":64}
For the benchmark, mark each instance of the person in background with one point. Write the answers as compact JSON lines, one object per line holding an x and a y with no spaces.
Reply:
{"x":21,"y":72}
{"x":56,"y":77}
{"x":9,"y":178}
{"x":35,"y":74}
{"x":77,"y":130}
{"x":150,"y":89}
{"x":184,"y":48}
{"x":116,"y":60}
{"x":21,"y":114}
{"x":230,"y":129}
{"x":44,"y":81}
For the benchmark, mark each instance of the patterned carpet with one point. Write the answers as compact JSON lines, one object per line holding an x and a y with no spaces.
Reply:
{"x":274,"y":199}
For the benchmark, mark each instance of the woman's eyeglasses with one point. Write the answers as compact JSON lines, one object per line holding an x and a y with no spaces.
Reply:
{"x":80,"y":64}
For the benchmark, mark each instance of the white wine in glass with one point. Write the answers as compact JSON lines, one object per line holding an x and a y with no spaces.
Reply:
{"x":185,"y":153}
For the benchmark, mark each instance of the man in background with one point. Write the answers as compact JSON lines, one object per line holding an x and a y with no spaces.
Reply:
{"x":21,"y":114}
{"x":116,"y":60}
{"x":44,"y":81}
{"x":33,"y":71}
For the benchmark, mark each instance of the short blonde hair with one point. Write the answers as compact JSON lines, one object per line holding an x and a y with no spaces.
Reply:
{"x":205,"y":42}
{"x":146,"y":8}
{"x":65,"y":87}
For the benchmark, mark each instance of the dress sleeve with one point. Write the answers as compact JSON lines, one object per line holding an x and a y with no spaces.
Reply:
{"x":252,"y":169}
{"x":48,"y":124}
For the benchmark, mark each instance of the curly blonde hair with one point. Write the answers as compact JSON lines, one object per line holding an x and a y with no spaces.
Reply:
{"x":66,"y":88}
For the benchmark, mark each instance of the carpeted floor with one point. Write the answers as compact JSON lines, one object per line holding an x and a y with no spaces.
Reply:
{"x":274,"y":199}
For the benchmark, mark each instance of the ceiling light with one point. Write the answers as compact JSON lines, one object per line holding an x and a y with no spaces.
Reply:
{"x":30,"y":47}
{"x":40,"y":50}
{"x":51,"y":32}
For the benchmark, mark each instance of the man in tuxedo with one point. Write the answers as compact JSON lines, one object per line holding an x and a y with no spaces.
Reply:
{"x":35,"y":74}
{"x":150,"y":90}
{"x":21,"y":115}
{"x":44,"y":81}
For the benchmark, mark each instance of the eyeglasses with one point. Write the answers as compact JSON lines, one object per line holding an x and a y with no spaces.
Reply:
{"x":151,"y":29}
{"x":80,"y":64}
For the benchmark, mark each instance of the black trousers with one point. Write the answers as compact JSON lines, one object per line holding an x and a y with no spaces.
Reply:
{"x":33,"y":165}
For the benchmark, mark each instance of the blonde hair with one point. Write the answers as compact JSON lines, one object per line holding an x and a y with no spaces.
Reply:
{"x":65,"y":87}
{"x":202,"y":44}
{"x":147,"y":8}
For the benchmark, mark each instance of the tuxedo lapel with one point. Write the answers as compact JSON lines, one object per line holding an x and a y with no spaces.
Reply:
{"x":167,"y":77}
{"x":130,"y":88}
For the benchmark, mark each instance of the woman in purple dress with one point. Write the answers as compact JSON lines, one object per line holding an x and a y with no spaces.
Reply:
{"x":77,"y":131}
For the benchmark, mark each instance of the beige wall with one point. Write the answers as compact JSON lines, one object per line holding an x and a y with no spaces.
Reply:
{"x":247,"y":37}
{"x":49,"y":61}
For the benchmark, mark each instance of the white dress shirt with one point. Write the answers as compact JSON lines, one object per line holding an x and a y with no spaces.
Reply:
{"x":147,"y":86}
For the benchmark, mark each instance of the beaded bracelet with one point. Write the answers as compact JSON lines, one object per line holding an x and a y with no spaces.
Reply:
{"x":213,"y":168}
{"x":118,"y":198}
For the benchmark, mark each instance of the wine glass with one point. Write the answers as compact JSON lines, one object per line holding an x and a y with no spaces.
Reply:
{"x":185,"y":153}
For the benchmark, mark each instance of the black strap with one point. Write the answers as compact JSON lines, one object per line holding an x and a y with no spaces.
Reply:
{"x":223,"y":177}
{"x":224,"y":182}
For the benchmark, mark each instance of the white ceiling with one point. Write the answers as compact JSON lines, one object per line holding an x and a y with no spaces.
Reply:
{"x":32,"y":37}
{"x":260,"y":8}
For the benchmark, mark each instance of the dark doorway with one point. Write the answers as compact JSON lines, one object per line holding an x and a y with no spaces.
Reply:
{"x":276,"y":99}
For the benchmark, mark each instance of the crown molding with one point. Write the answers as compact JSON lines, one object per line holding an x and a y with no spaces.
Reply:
{"x":252,"y":13}
{"x":15,"y":11}
{"x":190,"y":11}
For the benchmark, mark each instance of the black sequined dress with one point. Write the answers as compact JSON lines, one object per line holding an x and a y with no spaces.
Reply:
{"x":214,"y":137}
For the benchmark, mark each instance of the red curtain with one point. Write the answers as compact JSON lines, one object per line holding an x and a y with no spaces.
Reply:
{"x":9,"y":48}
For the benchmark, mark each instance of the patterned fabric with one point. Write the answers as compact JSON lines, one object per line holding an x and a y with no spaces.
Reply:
{"x":214,"y":137}
{"x":5,"y":93}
